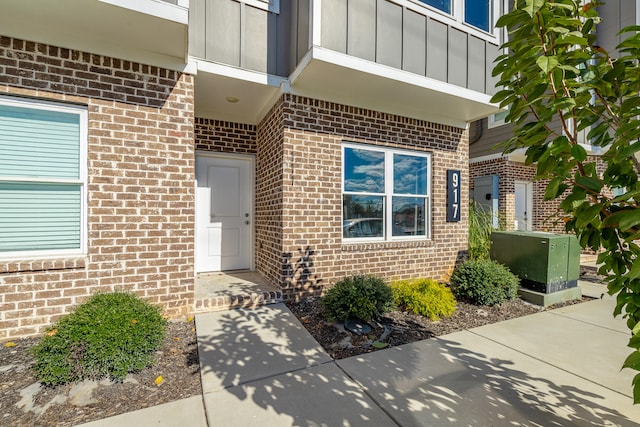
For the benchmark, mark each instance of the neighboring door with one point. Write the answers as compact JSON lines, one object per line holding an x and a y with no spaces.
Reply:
{"x":224,"y":210}
{"x":524,"y":208}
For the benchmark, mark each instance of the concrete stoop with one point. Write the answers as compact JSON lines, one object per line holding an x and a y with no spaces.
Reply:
{"x":231,"y":290}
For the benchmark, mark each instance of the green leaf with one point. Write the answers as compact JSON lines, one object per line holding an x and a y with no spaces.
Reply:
{"x":634,"y":273}
{"x":380,"y":345}
{"x":629,"y":219}
{"x":579,"y":153}
{"x":547,"y":63}
{"x":632,"y":361}
{"x":587,"y":215}
{"x":636,"y":389}
{"x":589,"y":183}
{"x":533,"y":6}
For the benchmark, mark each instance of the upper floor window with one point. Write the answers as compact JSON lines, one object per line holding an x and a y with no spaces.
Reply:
{"x":42,"y":178}
{"x":473,"y":12}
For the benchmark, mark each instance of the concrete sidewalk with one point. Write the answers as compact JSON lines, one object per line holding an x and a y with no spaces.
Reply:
{"x":261,"y":367}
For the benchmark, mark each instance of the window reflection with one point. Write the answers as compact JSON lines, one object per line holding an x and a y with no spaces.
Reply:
{"x":363,"y":216}
{"x":409,"y":216}
{"x":363,"y":170}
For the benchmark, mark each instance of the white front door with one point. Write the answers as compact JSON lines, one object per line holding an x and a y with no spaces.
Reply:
{"x":224,"y":212}
{"x":524,"y":202}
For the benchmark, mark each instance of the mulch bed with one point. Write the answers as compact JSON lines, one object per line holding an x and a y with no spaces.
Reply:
{"x":399,"y":327}
{"x":23,"y":402}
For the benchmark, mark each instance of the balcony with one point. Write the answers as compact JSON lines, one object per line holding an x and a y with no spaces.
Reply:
{"x":153,"y":32}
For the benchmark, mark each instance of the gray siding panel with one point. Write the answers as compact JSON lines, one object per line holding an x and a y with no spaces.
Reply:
{"x":222,"y":41}
{"x":197,"y":22}
{"x":303,"y":28}
{"x":486,"y":145}
{"x":414,"y":44}
{"x":361,"y":29}
{"x":457,"y":57}
{"x":493,"y":51}
{"x":437,"y":50}
{"x":256,"y":44}
{"x":389,"y":34}
{"x":615,"y":16}
{"x":234,"y":33}
{"x":293,"y":35}
{"x":477,"y":68}
{"x":334,"y":30}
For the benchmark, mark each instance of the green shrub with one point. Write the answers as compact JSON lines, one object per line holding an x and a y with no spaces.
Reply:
{"x":424,"y":296}
{"x":484,"y":282}
{"x":480,"y":228}
{"x":357,"y":297}
{"x":108,"y":336}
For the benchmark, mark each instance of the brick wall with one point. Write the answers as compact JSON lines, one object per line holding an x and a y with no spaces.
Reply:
{"x":140,"y":185}
{"x":547,"y":216}
{"x":269,"y":196}
{"x":228,"y":137}
{"x":299,"y":196}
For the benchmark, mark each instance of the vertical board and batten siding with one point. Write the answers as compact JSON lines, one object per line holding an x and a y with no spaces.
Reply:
{"x":234,"y":33}
{"x":385,"y":32}
{"x":299,"y":42}
{"x":615,"y":16}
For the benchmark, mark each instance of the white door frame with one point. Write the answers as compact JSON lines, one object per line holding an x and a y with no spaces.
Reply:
{"x":528,"y":203}
{"x":227,"y":156}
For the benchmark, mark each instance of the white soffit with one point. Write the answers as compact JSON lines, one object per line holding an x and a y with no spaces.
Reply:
{"x":336,"y":77}
{"x":159,"y":37}
{"x":215,"y":84}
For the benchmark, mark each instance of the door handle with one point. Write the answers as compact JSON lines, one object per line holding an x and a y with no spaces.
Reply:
{"x":247,"y":222}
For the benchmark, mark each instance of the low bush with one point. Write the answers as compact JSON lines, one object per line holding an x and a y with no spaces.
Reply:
{"x":424,"y":296}
{"x":108,"y":336}
{"x":484,"y":282}
{"x":357,"y":297}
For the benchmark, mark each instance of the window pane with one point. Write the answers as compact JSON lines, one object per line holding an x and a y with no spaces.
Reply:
{"x":409,"y":174}
{"x":443,"y":5}
{"x":409,"y":216}
{"x":363,"y":216}
{"x":35,"y":216}
{"x":39,"y":143}
{"x":476,"y":13}
{"x":363,"y":171}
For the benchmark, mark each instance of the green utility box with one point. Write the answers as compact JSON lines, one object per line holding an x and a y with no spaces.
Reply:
{"x":545,"y":262}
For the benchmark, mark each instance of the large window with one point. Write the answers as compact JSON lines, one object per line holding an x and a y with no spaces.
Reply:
{"x":385,"y":193}
{"x":473,"y":12}
{"x":42,"y":178}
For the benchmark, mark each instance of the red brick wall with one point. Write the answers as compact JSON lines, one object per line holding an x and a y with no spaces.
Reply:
{"x":140,"y":185}
{"x":299,"y":198}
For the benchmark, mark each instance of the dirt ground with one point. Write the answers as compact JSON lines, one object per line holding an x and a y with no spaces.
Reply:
{"x":24,"y":402}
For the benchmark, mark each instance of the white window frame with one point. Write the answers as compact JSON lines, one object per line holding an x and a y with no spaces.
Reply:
{"x":270,"y":5}
{"x":456,"y":17}
{"x":493,"y":121}
{"x":388,"y":193}
{"x":82,"y":113}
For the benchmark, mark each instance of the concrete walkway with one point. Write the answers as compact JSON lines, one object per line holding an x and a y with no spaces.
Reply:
{"x":261,"y":368}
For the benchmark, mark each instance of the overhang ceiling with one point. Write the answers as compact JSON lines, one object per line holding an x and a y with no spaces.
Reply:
{"x":335,"y":77}
{"x":216,"y":85}
{"x":156,"y":37}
